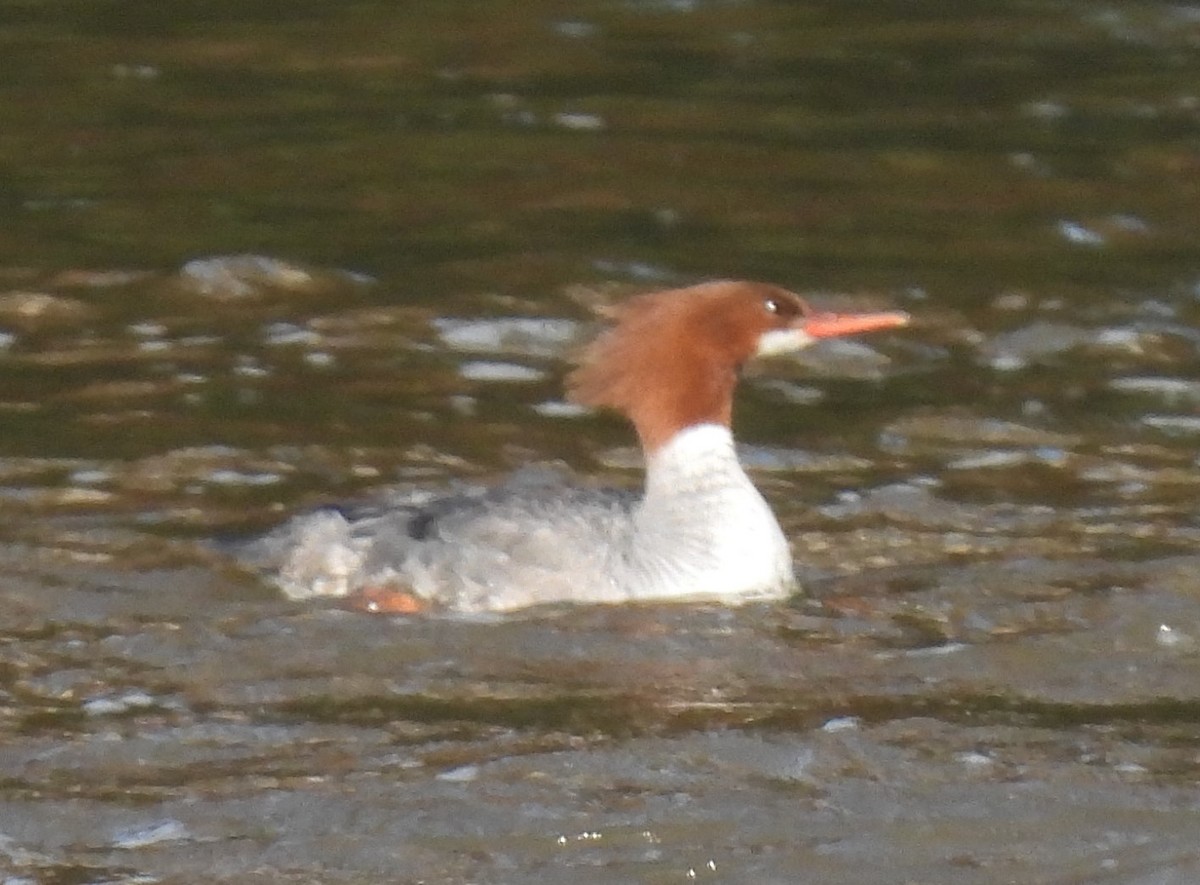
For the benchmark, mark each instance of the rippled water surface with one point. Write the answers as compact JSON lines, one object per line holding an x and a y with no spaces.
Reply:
{"x":258,"y":257}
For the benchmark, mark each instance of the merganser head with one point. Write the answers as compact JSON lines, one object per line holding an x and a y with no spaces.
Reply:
{"x":671,"y":361}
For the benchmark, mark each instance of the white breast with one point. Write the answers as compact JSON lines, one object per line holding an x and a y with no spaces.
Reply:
{"x":703,"y":529}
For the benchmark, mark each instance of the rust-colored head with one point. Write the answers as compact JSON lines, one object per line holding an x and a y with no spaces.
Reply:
{"x":671,"y":360}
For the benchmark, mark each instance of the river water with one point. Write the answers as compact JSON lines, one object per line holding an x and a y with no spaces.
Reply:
{"x":255,"y":257}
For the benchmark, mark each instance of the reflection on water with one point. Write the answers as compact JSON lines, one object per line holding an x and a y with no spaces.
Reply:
{"x":253,"y":261}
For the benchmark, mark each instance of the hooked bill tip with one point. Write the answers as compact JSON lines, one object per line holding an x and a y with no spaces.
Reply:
{"x":833,"y":325}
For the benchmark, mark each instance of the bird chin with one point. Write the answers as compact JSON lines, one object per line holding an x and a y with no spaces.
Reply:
{"x":776,"y":341}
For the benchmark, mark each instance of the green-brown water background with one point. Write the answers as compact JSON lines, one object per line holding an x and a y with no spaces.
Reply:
{"x":257,"y":256}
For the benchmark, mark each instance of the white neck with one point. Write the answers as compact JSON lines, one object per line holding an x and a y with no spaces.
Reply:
{"x":703,"y":529}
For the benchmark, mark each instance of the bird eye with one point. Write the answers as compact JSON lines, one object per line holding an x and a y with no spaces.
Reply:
{"x":772,"y":305}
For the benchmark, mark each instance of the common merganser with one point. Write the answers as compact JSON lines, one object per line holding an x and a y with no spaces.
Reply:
{"x":700,"y":530}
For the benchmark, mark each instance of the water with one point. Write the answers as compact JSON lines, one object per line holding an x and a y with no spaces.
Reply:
{"x":254,"y":259}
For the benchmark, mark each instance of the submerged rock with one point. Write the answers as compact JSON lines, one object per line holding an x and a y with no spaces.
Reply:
{"x":31,"y":310}
{"x":238,"y":277}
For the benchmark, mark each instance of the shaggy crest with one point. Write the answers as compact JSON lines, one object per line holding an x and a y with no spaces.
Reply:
{"x":672,"y":358}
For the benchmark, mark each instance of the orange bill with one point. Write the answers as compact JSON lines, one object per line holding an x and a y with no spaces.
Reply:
{"x":833,"y":325}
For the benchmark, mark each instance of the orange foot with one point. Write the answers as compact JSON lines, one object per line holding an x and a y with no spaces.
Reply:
{"x":382,"y":600}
